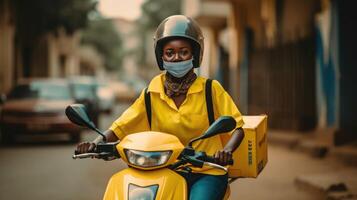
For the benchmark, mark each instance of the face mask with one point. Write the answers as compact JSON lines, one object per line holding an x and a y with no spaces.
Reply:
{"x":178,"y":69}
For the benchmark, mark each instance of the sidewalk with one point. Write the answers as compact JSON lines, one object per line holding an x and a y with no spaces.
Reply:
{"x":339,"y":184}
{"x":317,"y":144}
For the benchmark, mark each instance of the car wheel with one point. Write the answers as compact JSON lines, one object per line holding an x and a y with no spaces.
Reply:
{"x":75,"y":137}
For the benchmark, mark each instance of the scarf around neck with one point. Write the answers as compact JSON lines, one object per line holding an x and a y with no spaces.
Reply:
{"x":177,"y":86}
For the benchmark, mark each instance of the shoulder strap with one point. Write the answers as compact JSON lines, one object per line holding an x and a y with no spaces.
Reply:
{"x":209,"y":103}
{"x":148,"y":106}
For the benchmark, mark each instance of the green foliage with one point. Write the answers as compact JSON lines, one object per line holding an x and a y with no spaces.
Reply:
{"x":102,"y":35}
{"x":36,"y":17}
{"x":33,"y":18}
{"x":153,"y":12}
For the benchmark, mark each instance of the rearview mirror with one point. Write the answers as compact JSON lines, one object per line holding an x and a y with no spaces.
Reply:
{"x":221,"y":125}
{"x":77,"y":114}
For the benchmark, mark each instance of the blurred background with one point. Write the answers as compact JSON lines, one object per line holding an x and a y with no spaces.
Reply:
{"x":290,"y":59}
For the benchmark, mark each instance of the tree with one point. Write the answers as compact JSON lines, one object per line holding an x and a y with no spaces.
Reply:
{"x":102,"y":35}
{"x":35,"y":18}
{"x":153,"y":12}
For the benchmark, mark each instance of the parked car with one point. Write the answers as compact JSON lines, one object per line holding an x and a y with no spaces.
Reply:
{"x":37,"y":106}
{"x":136,"y":84}
{"x":122,"y":91}
{"x":84,"y":91}
{"x":96,"y":91}
{"x":106,"y":97}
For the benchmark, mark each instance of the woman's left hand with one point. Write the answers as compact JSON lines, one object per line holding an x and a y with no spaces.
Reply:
{"x":222,"y":157}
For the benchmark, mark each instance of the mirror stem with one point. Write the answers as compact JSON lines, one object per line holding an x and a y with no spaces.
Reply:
{"x":100,"y":133}
{"x":192,"y":141}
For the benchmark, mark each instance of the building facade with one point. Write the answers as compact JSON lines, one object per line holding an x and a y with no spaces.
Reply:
{"x":286,"y":58}
{"x":7,"y":33}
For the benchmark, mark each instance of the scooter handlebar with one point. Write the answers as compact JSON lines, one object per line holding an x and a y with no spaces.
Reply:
{"x":106,"y":151}
{"x":212,"y":160}
{"x":103,"y":155}
{"x":85,"y":155}
{"x":215,"y":166}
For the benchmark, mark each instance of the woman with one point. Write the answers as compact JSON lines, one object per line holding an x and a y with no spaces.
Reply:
{"x":179,"y":106}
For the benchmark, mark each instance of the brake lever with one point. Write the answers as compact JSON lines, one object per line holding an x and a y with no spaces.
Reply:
{"x":87,"y":155}
{"x":107,"y":156}
{"x":215,"y":166}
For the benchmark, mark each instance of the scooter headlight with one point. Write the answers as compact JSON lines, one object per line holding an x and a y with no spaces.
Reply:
{"x":147,"y":158}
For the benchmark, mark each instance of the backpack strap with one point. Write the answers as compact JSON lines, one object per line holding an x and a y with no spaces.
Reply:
{"x":209,"y":103}
{"x":148,"y":106}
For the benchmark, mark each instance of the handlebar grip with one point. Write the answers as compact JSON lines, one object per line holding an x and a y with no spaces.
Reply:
{"x":91,"y":150}
{"x":84,"y":155}
{"x":77,"y":152}
{"x":212,"y":160}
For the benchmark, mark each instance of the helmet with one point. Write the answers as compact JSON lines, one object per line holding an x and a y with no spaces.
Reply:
{"x":179,"y":26}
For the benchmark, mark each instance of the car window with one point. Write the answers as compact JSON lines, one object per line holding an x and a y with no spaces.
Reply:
{"x":42,"y":90}
{"x":83,"y":91}
{"x":52,"y":91}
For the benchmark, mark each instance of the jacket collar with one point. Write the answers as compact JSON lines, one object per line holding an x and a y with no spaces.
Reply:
{"x":157,"y":85}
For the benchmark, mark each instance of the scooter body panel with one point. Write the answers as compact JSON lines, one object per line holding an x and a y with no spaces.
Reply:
{"x":132,"y":184}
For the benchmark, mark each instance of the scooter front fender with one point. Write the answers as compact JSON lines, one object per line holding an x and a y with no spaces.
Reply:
{"x":162,"y":184}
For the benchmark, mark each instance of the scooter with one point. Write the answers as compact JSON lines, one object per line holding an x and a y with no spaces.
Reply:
{"x":153,"y":159}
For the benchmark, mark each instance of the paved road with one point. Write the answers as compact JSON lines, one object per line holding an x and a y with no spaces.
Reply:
{"x":35,"y":171}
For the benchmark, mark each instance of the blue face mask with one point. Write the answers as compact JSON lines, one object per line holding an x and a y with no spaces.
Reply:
{"x":178,"y":69}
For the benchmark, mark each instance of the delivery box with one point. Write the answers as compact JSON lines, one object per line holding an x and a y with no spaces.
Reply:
{"x":252,"y":155}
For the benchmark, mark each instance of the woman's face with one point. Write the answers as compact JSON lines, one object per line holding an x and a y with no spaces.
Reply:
{"x":177,"y":50}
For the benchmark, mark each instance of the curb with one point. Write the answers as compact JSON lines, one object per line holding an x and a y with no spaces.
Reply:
{"x":310,"y":144}
{"x":341,"y":186}
{"x":288,"y":140}
{"x":347,"y":154}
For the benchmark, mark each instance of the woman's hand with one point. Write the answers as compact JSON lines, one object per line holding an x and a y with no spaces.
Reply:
{"x":222,"y":157}
{"x":85,"y":147}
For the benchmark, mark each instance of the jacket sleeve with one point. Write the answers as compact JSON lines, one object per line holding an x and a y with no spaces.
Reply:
{"x":224,"y":105}
{"x":133,"y":119}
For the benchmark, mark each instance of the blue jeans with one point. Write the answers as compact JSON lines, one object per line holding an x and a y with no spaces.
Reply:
{"x":204,"y":186}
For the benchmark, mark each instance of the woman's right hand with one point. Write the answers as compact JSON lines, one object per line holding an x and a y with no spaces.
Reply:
{"x":85,"y":147}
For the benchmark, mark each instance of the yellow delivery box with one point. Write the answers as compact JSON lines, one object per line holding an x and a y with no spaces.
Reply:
{"x":252,"y":155}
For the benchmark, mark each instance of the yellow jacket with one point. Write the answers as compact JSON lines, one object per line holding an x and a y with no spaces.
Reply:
{"x":188,"y":121}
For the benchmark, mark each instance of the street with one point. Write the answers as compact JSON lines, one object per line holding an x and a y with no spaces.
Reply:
{"x":290,"y":62}
{"x":30,"y":170}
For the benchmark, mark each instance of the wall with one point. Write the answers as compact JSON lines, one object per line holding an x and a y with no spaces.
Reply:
{"x":297,"y":19}
{"x":347,"y":77}
{"x":7,"y":30}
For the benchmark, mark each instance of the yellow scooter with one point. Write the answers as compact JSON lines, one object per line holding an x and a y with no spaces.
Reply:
{"x":153,"y":159}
